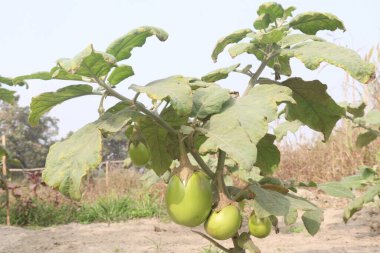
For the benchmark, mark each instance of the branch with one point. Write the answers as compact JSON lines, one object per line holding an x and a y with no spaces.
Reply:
{"x":139,"y":106}
{"x":198,"y":158}
{"x":219,"y":172}
{"x":258,"y":72}
{"x":216,"y":244}
{"x":363,"y":126}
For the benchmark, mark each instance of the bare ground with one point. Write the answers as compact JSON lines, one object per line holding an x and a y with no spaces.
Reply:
{"x":362,"y":234}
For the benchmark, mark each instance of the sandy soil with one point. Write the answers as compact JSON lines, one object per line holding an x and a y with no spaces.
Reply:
{"x":361,"y":234}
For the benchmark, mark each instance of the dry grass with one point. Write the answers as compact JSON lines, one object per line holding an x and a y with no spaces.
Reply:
{"x":321,"y":162}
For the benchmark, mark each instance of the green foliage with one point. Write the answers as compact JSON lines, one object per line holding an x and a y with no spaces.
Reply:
{"x":208,"y":119}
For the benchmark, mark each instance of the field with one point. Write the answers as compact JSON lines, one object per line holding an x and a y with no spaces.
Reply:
{"x":361,"y":234}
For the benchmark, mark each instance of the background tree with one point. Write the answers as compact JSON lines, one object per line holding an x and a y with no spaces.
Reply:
{"x":29,"y":145}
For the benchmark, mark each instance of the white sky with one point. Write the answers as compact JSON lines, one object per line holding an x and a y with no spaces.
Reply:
{"x":34,"y":34}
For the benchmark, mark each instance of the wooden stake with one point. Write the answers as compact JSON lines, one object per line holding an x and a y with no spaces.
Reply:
{"x":107,"y":168}
{"x":4,"y":161}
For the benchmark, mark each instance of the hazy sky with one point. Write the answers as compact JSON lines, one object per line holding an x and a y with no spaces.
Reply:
{"x":34,"y":34}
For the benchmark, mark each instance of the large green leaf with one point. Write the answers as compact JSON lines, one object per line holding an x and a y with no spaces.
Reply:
{"x":365,"y":138}
{"x":336,"y":189}
{"x":7,"y":95}
{"x":175,"y":88}
{"x":312,"y":22}
{"x":89,"y":63}
{"x":268,"y":155}
{"x":314,"y":106}
{"x":70,"y":160}
{"x":208,"y":101}
{"x":313,"y":53}
{"x":120,"y":73}
{"x":274,"y":10}
{"x":122,"y":47}
{"x":357,"y":204}
{"x":46,"y":101}
{"x":219,"y":74}
{"x":230,"y":39}
{"x":312,"y":220}
{"x":293,"y":39}
{"x":242,"y":123}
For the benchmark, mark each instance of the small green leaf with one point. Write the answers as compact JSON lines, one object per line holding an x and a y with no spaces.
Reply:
{"x":274,"y":10}
{"x":313,"y":53}
{"x":293,"y":39}
{"x":357,"y":109}
{"x":225,"y":41}
{"x":7,"y":95}
{"x":46,"y":101}
{"x":272,"y":36}
{"x":208,"y":101}
{"x":219,"y":74}
{"x":120,"y":73}
{"x":122,"y":47}
{"x":89,"y":63}
{"x":268,"y":155}
{"x":242,"y":123}
{"x":288,"y":12}
{"x":312,"y":220}
{"x":336,"y":189}
{"x":365,"y":138}
{"x":312,"y":22}
{"x":288,"y":126}
{"x":160,"y":144}
{"x":262,"y":22}
{"x":176,"y":88}
{"x":314,"y":106}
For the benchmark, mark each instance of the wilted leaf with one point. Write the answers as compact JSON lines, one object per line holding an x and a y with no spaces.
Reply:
{"x":219,"y":74}
{"x":225,"y":41}
{"x":176,"y":88}
{"x":314,"y":106}
{"x":120,"y":73}
{"x":46,"y":101}
{"x":55,"y":73}
{"x":312,"y":22}
{"x":89,"y":63}
{"x":268,"y":155}
{"x":242,"y":123}
{"x":122,"y":47}
{"x":336,"y":189}
{"x":288,"y":12}
{"x":357,"y":204}
{"x":365,"y":138}
{"x":10,"y":81}
{"x":357,"y":110}
{"x":70,"y":160}
{"x":312,"y":220}
{"x":313,"y":53}
{"x":208,"y":101}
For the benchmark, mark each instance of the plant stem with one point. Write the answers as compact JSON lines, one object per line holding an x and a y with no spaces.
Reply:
{"x":139,"y":106}
{"x":362,"y":125}
{"x":198,"y":158}
{"x":219,"y":172}
{"x":216,"y":244}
